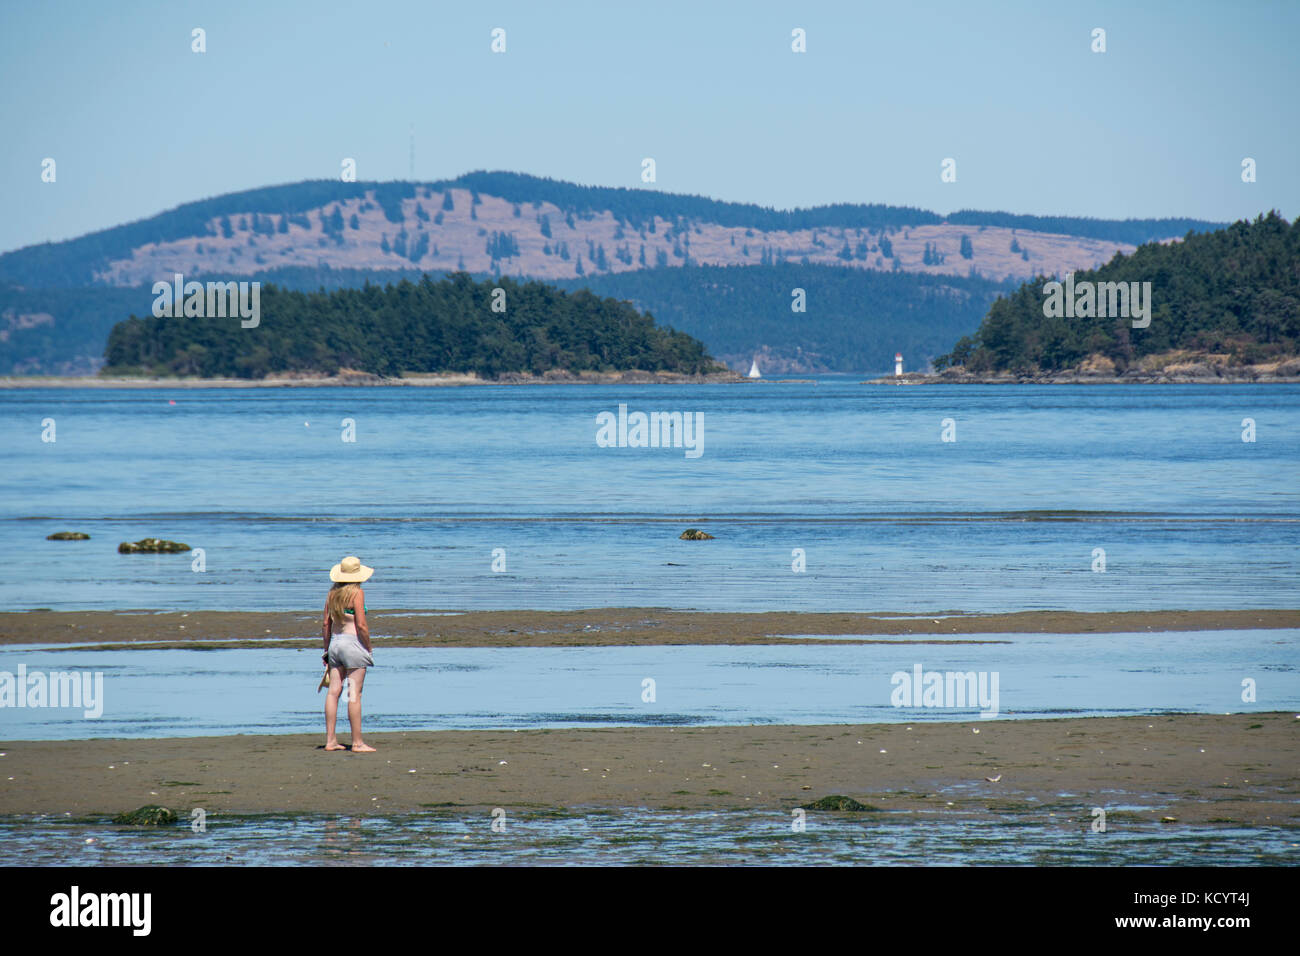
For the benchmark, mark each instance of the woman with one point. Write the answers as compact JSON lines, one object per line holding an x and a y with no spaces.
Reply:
{"x":347,"y":648}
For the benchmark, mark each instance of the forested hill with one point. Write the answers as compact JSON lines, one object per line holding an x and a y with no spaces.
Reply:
{"x":425,"y":326}
{"x":1234,"y":292}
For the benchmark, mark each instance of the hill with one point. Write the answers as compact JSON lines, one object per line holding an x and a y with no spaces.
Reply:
{"x":454,"y":325}
{"x":1230,"y":297}
{"x":854,"y":320}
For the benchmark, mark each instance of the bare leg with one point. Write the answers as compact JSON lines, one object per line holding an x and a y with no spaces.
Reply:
{"x":356,"y":678}
{"x":332,"y":708}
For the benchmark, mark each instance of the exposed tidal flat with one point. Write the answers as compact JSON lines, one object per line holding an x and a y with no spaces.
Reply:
{"x":593,"y":627}
{"x":1174,"y":788}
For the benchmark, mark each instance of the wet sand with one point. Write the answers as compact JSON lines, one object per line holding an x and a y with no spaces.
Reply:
{"x":588,"y":628}
{"x":1243,"y":769}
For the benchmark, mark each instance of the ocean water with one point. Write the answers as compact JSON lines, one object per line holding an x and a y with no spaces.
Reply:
{"x":888,"y":515}
{"x":1007,"y":517}
{"x":1059,"y":835}
{"x":182,"y":693}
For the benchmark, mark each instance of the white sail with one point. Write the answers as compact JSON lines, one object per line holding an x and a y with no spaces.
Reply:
{"x":753,"y":370}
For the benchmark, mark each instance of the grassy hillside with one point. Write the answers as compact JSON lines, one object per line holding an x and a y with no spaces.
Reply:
{"x":274,"y":211}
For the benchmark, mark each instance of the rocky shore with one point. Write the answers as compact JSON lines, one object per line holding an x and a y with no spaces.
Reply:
{"x":1166,"y":369}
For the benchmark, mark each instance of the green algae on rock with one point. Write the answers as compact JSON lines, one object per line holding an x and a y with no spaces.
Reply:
{"x":148,"y":816}
{"x":840,"y":803}
{"x":695,"y":534}
{"x":151,"y":546}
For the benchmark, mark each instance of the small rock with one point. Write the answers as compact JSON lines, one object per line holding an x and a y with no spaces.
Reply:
{"x":68,"y":536}
{"x":695,"y":534}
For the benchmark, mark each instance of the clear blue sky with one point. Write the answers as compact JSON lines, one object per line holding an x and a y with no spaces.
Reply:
{"x":1156,"y":126}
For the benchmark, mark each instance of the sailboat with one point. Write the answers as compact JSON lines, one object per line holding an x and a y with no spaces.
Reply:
{"x":753,"y":370}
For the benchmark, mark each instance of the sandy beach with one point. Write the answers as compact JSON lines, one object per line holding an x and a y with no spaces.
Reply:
{"x":1243,"y":768}
{"x":591,"y":628}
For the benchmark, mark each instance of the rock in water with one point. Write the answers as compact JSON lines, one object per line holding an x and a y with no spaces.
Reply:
{"x":695,"y":534}
{"x":837,"y":802}
{"x":151,"y":546}
{"x":150,"y":816}
{"x":68,"y":536}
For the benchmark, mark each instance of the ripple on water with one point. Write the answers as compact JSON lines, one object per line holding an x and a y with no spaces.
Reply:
{"x":631,"y":837}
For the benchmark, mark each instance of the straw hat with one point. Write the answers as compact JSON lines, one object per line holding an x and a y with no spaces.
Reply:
{"x":350,"y":570}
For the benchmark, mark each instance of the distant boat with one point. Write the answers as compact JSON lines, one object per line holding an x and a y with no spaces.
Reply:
{"x":753,"y":370}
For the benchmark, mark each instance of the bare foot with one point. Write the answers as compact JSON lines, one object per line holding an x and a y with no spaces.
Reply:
{"x":335,"y":746}
{"x":362,"y":749}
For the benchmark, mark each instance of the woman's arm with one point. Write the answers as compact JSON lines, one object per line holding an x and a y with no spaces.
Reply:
{"x":325,"y":632}
{"x":359,"y":614}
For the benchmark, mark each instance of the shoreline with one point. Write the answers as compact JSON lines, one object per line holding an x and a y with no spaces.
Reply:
{"x":1215,"y":376}
{"x":1196,"y":768}
{"x":596,"y":627}
{"x":1082,"y":380}
{"x":362,"y":380}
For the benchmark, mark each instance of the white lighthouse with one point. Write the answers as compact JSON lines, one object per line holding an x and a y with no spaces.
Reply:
{"x":898,"y":364}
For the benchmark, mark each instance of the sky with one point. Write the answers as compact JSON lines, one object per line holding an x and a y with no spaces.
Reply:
{"x":1036,"y":121}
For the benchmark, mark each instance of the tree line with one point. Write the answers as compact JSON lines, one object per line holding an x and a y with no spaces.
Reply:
{"x":452,"y":325}
{"x":1235,"y":291}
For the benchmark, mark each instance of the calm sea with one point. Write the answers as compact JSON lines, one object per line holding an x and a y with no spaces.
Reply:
{"x":1040,"y":487}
